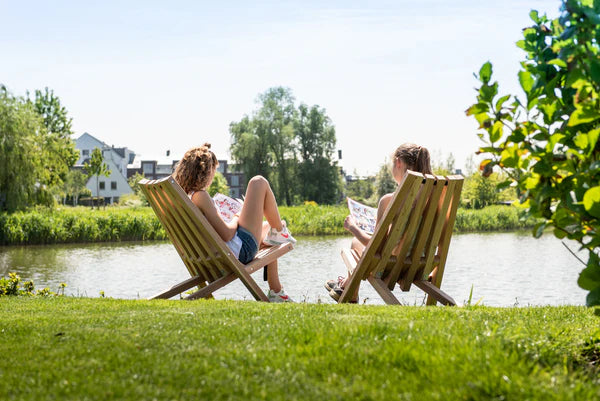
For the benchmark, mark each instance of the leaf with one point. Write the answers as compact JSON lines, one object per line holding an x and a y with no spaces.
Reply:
{"x":538,"y":229}
{"x":593,"y":139}
{"x":477,"y":108}
{"x":526,"y":81}
{"x":533,"y":14}
{"x":593,"y":298}
{"x":496,"y":132}
{"x":595,"y":70}
{"x":589,"y":278}
{"x":582,"y":115}
{"x":487,"y":92}
{"x":485,"y":73}
{"x":581,"y":141}
{"x":501,"y":101}
{"x":591,"y":201}
{"x":558,"y":62}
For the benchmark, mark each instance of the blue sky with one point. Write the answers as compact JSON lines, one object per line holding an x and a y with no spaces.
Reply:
{"x":154,"y":76}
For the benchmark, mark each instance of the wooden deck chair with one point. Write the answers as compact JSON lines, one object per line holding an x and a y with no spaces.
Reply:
{"x":410,"y":244}
{"x":206,"y":256}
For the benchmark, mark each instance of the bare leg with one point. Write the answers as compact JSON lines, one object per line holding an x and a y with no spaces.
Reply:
{"x":260,"y":201}
{"x":272,"y":272}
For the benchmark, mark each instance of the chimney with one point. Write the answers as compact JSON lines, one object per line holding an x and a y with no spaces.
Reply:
{"x":168,"y":153}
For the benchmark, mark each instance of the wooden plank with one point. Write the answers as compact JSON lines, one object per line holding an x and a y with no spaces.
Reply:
{"x":409,"y":235}
{"x":212,"y":287}
{"x":434,"y":292}
{"x":398,"y":228}
{"x":162,"y":208}
{"x":179,"y":288}
{"x":179,"y":228}
{"x":384,"y":292}
{"x":438,"y":226}
{"x":422,"y":235}
{"x":190,"y":228}
{"x":446,"y":235}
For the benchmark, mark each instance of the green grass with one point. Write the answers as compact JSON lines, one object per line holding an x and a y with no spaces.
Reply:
{"x":80,"y":224}
{"x":98,"y":349}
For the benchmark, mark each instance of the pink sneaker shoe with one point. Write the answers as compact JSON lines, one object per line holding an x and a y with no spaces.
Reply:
{"x":275,"y":237}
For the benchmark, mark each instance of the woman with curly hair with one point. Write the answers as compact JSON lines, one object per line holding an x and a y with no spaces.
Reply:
{"x":246,"y":231}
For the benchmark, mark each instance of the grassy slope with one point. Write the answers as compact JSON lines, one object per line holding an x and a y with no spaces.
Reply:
{"x":96,"y":349}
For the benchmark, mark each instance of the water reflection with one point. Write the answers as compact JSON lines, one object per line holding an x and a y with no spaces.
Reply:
{"x":504,"y":269}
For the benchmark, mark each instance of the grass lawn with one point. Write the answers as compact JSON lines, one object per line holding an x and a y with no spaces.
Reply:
{"x":98,"y":349}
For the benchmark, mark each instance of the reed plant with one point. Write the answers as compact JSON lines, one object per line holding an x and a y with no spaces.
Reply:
{"x":81,"y":224}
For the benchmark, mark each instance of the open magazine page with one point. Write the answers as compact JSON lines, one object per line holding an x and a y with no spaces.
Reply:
{"x":227,"y":206}
{"x":365,"y":216}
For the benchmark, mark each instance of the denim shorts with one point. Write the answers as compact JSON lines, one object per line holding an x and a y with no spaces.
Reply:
{"x":249,"y":245}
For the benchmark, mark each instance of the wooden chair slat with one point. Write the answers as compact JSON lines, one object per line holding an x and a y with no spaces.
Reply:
{"x":162,"y":209}
{"x":179,"y":227}
{"x":446,"y":236}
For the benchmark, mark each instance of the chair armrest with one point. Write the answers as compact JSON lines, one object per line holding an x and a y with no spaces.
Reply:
{"x":349,"y":260}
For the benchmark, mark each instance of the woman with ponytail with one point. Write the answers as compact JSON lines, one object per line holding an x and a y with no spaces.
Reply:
{"x":246,"y":231}
{"x":407,"y":157}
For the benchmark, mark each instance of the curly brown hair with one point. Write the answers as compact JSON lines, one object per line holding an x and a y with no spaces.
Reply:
{"x":415,"y":157}
{"x":194,"y":169}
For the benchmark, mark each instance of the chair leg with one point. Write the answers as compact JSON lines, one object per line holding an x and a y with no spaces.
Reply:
{"x":383,"y":291}
{"x":179,"y":288}
{"x":435,"y":293}
{"x":206,"y":292}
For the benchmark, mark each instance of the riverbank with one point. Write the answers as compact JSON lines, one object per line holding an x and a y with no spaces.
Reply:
{"x":97,"y":349}
{"x":80,"y":224}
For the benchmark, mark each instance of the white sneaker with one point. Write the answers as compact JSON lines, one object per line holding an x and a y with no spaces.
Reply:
{"x":275,"y":237}
{"x":280,"y":296}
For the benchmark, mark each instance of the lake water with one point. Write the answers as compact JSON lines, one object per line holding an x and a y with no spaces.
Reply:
{"x":505,"y":269}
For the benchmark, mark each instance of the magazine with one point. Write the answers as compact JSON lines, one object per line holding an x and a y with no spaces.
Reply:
{"x":365,"y":216}
{"x":227,"y":206}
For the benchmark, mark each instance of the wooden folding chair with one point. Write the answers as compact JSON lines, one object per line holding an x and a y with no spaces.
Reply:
{"x":206,"y":256}
{"x":410,"y":243}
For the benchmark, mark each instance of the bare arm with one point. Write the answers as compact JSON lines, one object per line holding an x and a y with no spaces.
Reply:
{"x":361,"y":235}
{"x":205,"y":203}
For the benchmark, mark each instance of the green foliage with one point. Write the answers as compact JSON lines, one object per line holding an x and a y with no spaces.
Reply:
{"x":219,"y":185}
{"x":66,"y":225}
{"x":80,"y":224}
{"x":35,"y":148}
{"x":74,"y":185}
{"x":291,"y":147}
{"x":58,"y":150}
{"x":547,"y":142}
{"x":96,"y":167}
{"x":384,"y":181}
{"x":134,"y":183}
{"x":479,"y":191}
{"x":234,"y":350}
{"x":362,"y":190}
{"x":13,"y":286}
{"x":318,"y":176}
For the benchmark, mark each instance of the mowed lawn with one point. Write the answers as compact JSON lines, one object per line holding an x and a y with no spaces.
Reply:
{"x":67,"y":348}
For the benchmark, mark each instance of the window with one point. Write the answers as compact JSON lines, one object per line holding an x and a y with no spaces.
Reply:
{"x":85,"y":152}
{"x":235,"y":180}
{"x":147,"y":168}
{"x":101,"y":185}
{"x":113,"y":185}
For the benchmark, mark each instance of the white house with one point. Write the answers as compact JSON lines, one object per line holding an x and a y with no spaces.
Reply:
{"x":111,"y":188}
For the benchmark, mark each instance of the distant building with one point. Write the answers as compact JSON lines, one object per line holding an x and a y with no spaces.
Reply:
{"x":154,"y":169}
{"x":114,"y":186}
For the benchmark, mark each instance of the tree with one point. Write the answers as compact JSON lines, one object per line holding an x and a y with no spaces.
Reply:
{"x":275,"y":118}
{"x":74,"y":185}
{"x":58,"y":149}
{"x":547,"y":142}
{"x":249,"y":148}
{"x":96,"y":167}
{"x":134,"y":184}
{"x":21,"y":162}
{"x":384,"y":181}
{"x":219,"y":184}
{"x":318,"y":173}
